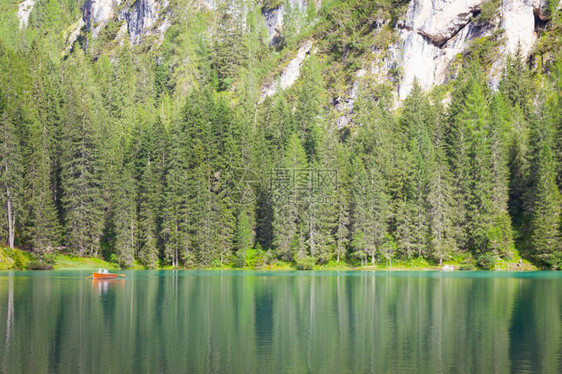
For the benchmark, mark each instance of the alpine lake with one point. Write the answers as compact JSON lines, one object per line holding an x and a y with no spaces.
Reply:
{"x":281,"y":322}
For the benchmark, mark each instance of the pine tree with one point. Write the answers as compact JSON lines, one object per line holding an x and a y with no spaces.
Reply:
{"x":148,"y":210}
{"x":556,"y":105}
{"x":244,"y":232}
{"x":309,"y":109}
{"x":472,"y":162}
{"x":440,"y":209}
{"x":81,"y":163}
{"x":205,"y":219}
{"x":125,"y":218}
{"x":229,"y":51}
{"x":375,"y":145}
{"x":370,"y":209}
{"x":11,"y":178}
{"x":150,"y":170}
{"x":516,"y":84}
{"x":51,"y":117}
{"x":287,"y":200}
{"x":500,"y":236}
{"x":291,"y":22}
{"x":545,"y":194}
{"x":517,"y":90}
{"x":42,"y":225}
{"x":342,"y":205}
{"x":545,"y":238}
{"x":320,"y":208}
{"x":175,"y":225}
{"x":320,"y":214}
{"x":15,"y":117}
{"x":477,"y":119}
{"x":224,"y":235}
{"x":222,"y":157}
{"x":413,"y":233}
{"x":358,"y":246}
{"x":270,"y":136}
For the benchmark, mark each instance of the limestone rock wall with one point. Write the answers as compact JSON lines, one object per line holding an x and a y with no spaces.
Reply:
{"x":24,"y":10}
{"x":142,"y":17}
{"x":434,"y":32}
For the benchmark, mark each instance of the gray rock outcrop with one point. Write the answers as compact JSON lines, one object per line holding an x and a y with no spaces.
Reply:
{"x":434,"y":32}
{"x":291,"y":72}
{"x":24,"y":10}
{"x":143,"y":17}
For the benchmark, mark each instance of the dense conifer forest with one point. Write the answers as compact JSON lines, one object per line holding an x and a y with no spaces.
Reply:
{"x":169,"y":155}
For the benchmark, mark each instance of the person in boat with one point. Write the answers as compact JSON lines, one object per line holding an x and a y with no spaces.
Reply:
{"x":105,"y":271}
{"x":99,"y":271}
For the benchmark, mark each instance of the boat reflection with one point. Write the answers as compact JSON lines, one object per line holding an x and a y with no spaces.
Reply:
{"x":102,"y":286}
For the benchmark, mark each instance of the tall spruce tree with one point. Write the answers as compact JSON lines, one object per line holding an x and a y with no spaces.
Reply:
{"x":229,"y":52}
{"x":42,"y":224}
{"x":501,"y":235}
{"x":370,"y":209}
{"x":309,"y":110}
{"x":545,"y":237}
{"x":11,"y":178}
{"x":81,"y":161}
{"x":544,"y":193}
{"x":470,"y":142}
{"x":150,"y":171}
{"x":125,"y":224}
{"x":413,"y":231}
{"x":270,"y":136}
{"x":148,"y":209}
{"x":517,"y":90}
{"x":343,"y":196}
{"x":288,"y":195}
{"x":42,"y":227}
{"x":175,"y":225}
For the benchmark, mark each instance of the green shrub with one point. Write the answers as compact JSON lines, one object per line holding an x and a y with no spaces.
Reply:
{"x":488,"y":11}
{"x":216,"y":263}
{"x":239,"y":259}
{"x":248,"y":258}
{"x":49,"y":258}
{"x":20,"y":258}
{"x":487,"y":261}
{"x":467,"y":267}
{"x":38,"y":265}
{"x":305,"y":263}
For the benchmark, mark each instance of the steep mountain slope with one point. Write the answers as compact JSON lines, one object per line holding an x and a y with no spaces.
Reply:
{"x":430,"y":35}
{"x":413,"y":40}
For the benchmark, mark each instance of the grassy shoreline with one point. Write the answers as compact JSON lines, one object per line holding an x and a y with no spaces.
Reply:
{"x":15,"y":259}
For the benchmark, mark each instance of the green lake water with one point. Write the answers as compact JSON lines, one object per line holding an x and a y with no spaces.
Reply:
{"x":286,"y":322}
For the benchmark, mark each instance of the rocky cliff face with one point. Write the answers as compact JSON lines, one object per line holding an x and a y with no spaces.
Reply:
{"x":273,"y":17}
{"x":96,"y":14}
{"x":430,"y":36}
{"x":519,"y":20}
{"x":434,"y":32}
{"x":142,"y":17}
{"x":291,"y":72}
{"x":24,"y":10}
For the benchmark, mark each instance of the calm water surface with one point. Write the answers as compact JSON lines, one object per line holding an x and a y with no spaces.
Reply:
{"x":262,"y":322}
